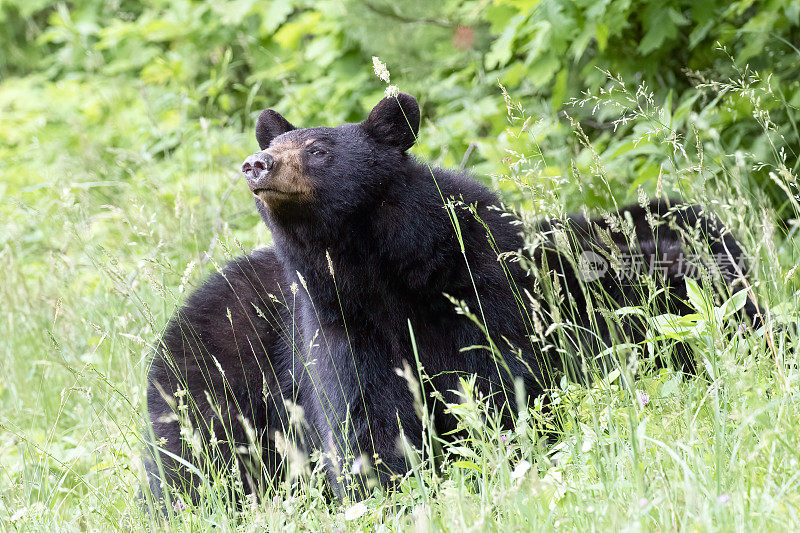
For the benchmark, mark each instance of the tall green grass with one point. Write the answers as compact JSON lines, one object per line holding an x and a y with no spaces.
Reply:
{"x":116,"y":205}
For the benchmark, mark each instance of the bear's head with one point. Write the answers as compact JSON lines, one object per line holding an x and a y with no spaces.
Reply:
{"x":300,"y":171}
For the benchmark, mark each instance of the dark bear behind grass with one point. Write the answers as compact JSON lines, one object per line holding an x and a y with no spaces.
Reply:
{"x":370,"y":246}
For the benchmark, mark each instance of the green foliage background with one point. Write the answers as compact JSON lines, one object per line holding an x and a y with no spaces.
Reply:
{"x":123,"y":124}
{"x":223,"y":61}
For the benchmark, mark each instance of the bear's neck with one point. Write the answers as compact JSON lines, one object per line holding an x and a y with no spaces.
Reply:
{"x":382,"y":258}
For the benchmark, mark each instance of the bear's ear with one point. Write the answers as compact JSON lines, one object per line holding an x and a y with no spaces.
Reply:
{"x":270,"y":124}
{"x":395,"y":121}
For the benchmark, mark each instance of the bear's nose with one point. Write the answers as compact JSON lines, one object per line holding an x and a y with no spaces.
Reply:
{"x":257,"y":163}
{"x":256,"y":168}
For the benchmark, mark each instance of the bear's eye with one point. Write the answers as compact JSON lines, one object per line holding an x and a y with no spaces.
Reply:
{"x":317,"y":152}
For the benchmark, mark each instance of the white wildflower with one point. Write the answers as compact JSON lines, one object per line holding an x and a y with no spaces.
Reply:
{"x":355,"y":511}
{"x":380,"y":69}
{"x":522,"y":467}
{"x":330,"y":262}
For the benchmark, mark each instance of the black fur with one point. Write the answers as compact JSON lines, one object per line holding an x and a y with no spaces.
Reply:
{"x":388,"y":226}
{"x":667,"y":241}
{"x":219,"y":346}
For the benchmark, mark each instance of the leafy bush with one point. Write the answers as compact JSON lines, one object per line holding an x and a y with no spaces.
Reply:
{"x":225,"y":60}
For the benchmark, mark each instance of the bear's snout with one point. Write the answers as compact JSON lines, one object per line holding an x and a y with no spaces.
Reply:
{"x":256,"y":170}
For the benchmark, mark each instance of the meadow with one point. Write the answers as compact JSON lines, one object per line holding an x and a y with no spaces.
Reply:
{"x":123,"y":126}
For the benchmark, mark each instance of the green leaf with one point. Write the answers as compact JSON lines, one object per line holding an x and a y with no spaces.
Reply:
{"x":672,"y":326}
{"x":290,"y":34}
{"x":501,"y":50}
{"x":468,"y":464}
{"x":698,"y":298}
{"x":660,"y":27}
{"x":559,"y":89}
{"x":602,"y":36}
{"x":499,"y":15}
{"x":276,"y":14}
{"x":630,"y":310}
{"x":646,"y":174}
{"x":735,"y":303}
{"x":666,"y":110}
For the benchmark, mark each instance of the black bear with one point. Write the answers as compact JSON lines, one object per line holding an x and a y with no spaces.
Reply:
{"x":381,"y":261}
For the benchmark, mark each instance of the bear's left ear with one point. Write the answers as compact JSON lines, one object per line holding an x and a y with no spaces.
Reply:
{"x":395,"y":121}
{"x":270,"y":124}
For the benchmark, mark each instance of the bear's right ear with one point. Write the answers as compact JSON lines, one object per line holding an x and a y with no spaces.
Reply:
{"x":270,"y":124}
